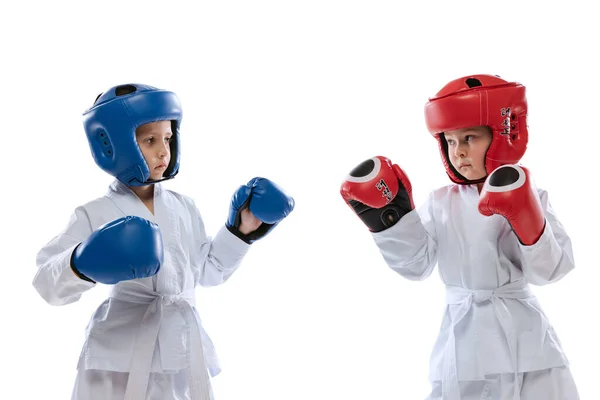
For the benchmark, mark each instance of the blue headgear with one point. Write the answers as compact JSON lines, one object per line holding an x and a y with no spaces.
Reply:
{"x":110,"y":126}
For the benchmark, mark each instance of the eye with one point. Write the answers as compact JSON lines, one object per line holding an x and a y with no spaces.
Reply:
{"x":450,"y":142}
{"x":468,"y":138}
{"x":168,"y":139}
{"x":149,"y":140}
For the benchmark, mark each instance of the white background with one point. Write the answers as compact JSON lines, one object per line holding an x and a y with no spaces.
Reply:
{"x":299,"y":92}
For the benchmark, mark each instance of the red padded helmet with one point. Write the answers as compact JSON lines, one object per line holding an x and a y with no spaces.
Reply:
{"x":477,"y":100}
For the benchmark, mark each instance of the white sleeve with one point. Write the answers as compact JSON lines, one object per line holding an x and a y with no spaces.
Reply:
{"x":55,"y":281}
{"x":551,"y":257}
{"x":410,"y":246}
{"x":215,"y":259}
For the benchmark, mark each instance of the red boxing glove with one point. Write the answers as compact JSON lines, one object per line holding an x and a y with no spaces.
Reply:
{"x":379,"y":193}
{"x":509,"y":191}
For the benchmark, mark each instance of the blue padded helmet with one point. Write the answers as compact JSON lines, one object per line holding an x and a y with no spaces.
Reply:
{"x":110,"y":126}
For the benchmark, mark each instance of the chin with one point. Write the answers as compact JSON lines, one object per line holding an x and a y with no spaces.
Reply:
{"x":476,"y":177}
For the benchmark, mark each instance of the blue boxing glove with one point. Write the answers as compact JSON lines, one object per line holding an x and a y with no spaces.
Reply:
{"x":266,"y":201}
{"x":126,"y":248}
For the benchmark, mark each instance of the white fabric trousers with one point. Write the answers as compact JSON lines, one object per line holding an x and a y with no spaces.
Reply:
{"x":549,"y":384}
{"x":109,"y":385}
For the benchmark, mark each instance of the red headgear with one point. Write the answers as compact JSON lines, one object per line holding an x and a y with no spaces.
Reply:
{"x":477,"y":100}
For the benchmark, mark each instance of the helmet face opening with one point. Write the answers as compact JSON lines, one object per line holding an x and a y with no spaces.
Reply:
{"x":452,"y":172}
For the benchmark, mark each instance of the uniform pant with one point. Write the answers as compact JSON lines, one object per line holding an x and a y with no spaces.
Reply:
{"x":109,"y":385}
{"x":549,"y":384}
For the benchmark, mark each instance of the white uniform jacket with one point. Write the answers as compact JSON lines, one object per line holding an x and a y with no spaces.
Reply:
{"x":190,"y":258}
{"x":492,"y":323}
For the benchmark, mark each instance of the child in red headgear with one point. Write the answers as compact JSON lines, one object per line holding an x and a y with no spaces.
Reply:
{"x":491,"y":233}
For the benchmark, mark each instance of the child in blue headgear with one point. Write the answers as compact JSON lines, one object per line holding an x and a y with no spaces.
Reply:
{"x":146,"y":340}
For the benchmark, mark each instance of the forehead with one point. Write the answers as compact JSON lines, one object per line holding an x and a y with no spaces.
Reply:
{"x":468,"y":131}
{"x":158,"y":127}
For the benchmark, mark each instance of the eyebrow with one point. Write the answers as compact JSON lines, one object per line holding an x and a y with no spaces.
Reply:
{"x":465,"y":132}
{"x":152,"y":133}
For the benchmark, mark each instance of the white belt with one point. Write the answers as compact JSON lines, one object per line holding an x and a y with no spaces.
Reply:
{"x":141,"y":363}
{"x":464,"y":298}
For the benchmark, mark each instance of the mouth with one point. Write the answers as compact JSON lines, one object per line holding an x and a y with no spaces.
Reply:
{"x":161,"y":166}
{"x":463,"y":166}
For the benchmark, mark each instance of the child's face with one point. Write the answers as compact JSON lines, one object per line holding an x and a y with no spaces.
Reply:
{"x":467,"y":148}
{"x":153,"y":139}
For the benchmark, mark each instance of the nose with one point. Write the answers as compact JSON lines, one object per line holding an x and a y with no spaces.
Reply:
{"x":460,"y":150}
{"x":164,"y":150}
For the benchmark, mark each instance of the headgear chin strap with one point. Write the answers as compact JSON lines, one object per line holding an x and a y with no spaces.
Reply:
{"x":481,"y":100}
{"x":110,"y":126}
